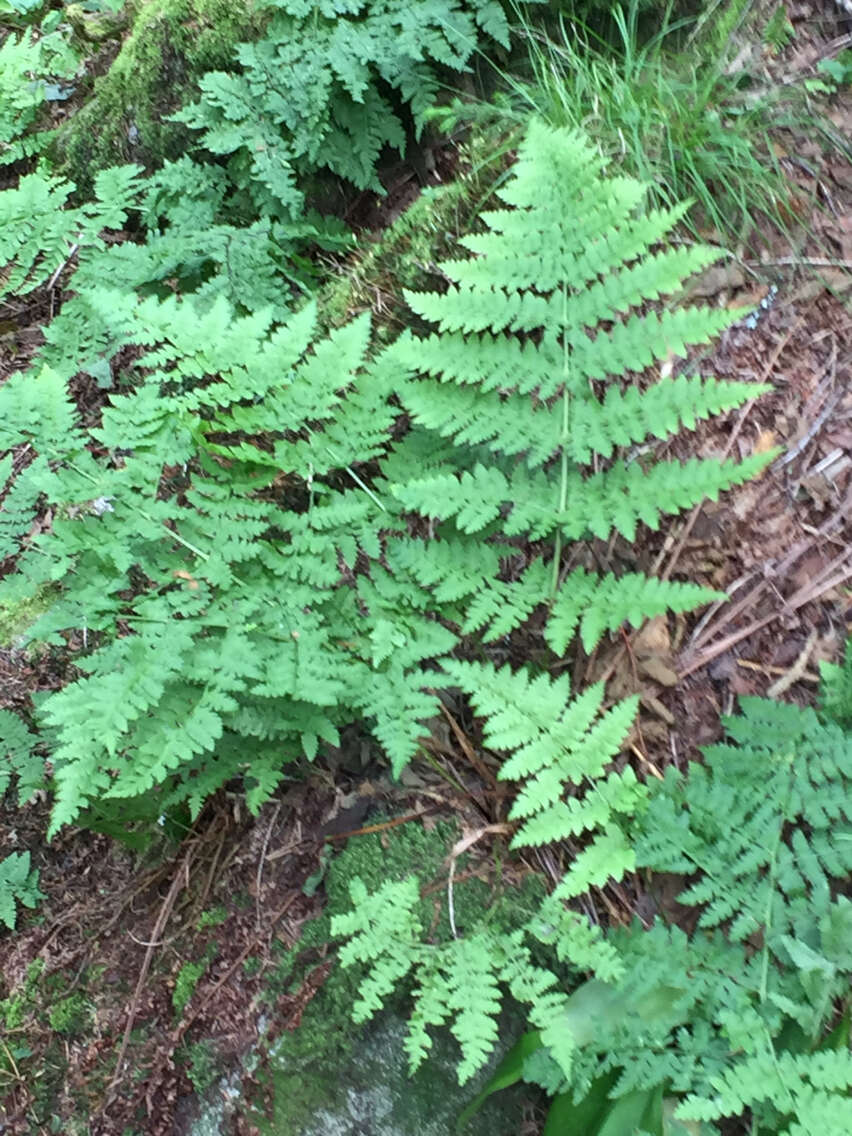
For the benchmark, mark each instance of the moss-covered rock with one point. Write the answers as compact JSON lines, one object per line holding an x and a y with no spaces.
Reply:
{"x":16,"y":618}
{"x":334,"y":1078}
{"x":169,"y":46}
{"x":370,"y":1091}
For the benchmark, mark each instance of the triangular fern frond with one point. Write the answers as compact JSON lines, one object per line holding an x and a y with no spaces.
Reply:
{"x":531,"y":374}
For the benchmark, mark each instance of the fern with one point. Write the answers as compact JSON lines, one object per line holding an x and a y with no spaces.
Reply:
{"x":537,"y":334}
{"x":19,"y":759}
{"x":227,"y":475}
{"x":837,"y":689}
{"x":322,"y":90}
{"x":555,"y":741}
{"x":731,"y":1022}
{"x":457,"y":983}
{"x":742,"y":1008}
{"x":18,"y":883}
{"x":26,"y":63}
{"x":201,"y":553}
{"x":812,"y":1090}
{"x":38,"y":232}
{"x":730,"y":819}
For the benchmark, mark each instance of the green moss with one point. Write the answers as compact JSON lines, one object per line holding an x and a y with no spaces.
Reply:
{"x":70,"y":1015}
{"x":23,"y":1001}
{"x":187,"y":980}
{"x":16,"y":618}
{"x":203,"y":1064}
{"x":326,"y":1027}
{"x":171,"y":44}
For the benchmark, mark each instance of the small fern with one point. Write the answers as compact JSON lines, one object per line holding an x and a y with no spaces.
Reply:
{"x":556,"y":741}
{"x":18,"y":884}
{"x":18,"y":758}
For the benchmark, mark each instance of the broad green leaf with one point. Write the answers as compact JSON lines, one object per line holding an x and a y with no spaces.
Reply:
{"x":508,"y":1072}
{"x":584,"y":1118}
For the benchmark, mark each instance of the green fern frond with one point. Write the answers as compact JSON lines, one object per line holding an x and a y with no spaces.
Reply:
{"x":384,"y":929}
{"x":811,"y":1091}
{"x":602,"y":603}
{"x":19,"y":758}
{"x":38,"y":232}
{"x":212,"y":576}
{"x":730,"y":821}
{"x":18,"y":884}
{"x":332,"y":86}
{"x":558,"y":743}
{"x":536,"y":334}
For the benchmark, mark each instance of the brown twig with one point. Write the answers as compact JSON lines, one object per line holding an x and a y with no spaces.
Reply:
{"x":468,"y":750}
{"x":260,"y":863}
{"x":177,"y":1034}
{"x":368,"y":829}
{"x":769,"y":669}
{"x":181,"y":878}
{"x":459,"y":848}
{"x":769,"y":367}
{"x":810,"y":592}
{"x":795,"y":673}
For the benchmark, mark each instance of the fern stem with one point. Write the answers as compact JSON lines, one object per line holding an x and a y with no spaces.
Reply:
{"x":773,"y":865}
{"x":181,"y":540}
{"x":358,"y":481}
{"x":563,"y":477}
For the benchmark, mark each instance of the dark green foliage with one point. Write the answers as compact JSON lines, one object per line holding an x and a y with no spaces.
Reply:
{"x":326,"y":87}
{"x":837,"y":689}
{"x":232,"y":543}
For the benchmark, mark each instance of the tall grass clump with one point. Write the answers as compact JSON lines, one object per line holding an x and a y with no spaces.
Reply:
{"x":671,"y":107}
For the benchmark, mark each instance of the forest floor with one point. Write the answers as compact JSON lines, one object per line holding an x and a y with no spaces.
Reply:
{"x":117,"y":926}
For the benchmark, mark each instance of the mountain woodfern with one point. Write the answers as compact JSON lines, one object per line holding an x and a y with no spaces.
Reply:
{"x":248,"y":550}
{"x":532,"y":377}
{"x":747,"y":1018}
{"x":324,"y":88}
